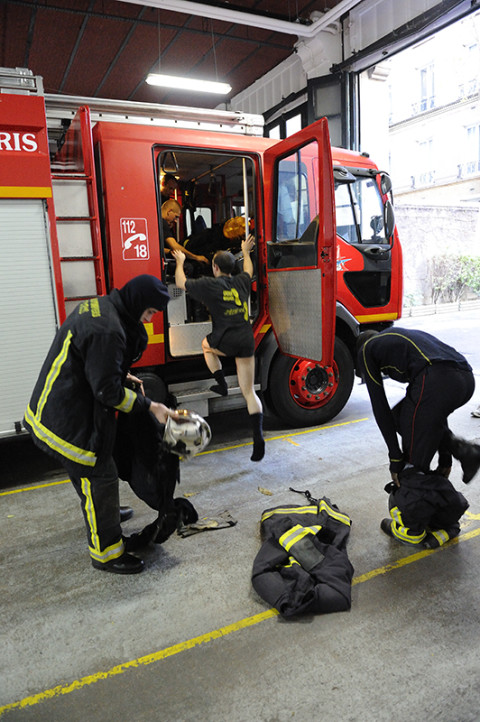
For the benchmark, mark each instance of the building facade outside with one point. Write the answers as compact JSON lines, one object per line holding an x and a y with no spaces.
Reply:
{"x":430,"y":142}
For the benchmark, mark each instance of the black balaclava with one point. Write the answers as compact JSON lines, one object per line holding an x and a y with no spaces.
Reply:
{"x":144,"y":292}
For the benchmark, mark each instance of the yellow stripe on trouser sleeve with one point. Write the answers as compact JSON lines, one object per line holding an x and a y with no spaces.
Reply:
{"x":441,"y":536}
{"x":96,"y":552}
{"x":402,"y":532}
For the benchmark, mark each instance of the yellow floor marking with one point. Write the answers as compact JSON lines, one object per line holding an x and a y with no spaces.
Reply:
{"x":204,"y":638}
{"x":34,"y":487}
{"x":203,"y":453}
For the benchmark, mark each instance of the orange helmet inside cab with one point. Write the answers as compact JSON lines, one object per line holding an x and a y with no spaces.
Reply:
{"x":234,"y":227}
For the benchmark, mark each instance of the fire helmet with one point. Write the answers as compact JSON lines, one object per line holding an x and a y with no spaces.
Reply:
{"x":187,"y":435}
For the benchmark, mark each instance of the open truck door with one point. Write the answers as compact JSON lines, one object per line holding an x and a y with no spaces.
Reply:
{"x":301,"y":274}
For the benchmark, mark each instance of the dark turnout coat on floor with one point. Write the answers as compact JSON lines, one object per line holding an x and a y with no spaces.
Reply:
{"x":302,"y":566}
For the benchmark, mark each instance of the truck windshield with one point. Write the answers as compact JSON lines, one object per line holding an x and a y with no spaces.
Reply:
{"x":359,"y":209}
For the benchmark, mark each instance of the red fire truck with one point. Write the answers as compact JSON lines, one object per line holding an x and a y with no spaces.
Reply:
{"x":80,"y":214}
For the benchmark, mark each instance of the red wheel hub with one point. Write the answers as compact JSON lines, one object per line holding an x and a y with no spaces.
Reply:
{"x":312,"y":385}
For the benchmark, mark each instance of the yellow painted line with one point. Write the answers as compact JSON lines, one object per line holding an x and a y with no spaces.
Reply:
{"x":34,"y":487}
{"x":413,"y":558}
{"x":285,"y":436}
{"x":25,"y":192}
{"x":140,"y":662}
{"x":208,"y":637}
{"x":202,"y":453}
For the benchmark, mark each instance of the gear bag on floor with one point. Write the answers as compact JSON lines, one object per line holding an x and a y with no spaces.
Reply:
{"x":302,"y":566}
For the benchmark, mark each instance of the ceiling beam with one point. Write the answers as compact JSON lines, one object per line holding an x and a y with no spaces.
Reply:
{"x":245,"y":18}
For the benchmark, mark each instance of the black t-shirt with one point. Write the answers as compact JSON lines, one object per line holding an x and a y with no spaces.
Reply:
{"x":226,"y":297}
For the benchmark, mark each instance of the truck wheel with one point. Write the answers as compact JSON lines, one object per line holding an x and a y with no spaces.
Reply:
{"x":304,"y":393}
{"x":153,"y":386}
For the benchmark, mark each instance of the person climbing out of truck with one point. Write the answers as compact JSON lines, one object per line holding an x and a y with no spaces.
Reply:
{"x":83,"y":383}
{"x":424,"y":506}
{"x":171,"y":211}
{"x":226,"y":297}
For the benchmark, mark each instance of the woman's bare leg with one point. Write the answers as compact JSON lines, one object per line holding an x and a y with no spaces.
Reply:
{"x":211,"y":356}
{"x":246,"y":380}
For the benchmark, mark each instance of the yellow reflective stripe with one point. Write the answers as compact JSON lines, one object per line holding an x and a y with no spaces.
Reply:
{"x":112,"y":552}
{"x":90,"y":514}
{"x":74,"y":453}
{"x":128,"y":400}
{"x":289,"y":510}
{"x":396,"y":515}
{"x":323,"y":506}
{"x":335,"y":514}
{"x":53,"y":374}
{"x":441,"y":536}
{"x":296,"y":534}
{"x":291,"y":562}
{"x":377,"y":317}
{"x":401,"y":531}
{"x":25,"y":192}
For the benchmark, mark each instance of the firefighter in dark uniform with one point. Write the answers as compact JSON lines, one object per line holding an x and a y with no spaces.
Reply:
{"x":226,"y":297}
{"x":84,"y":381}
{"x":424,"y":506}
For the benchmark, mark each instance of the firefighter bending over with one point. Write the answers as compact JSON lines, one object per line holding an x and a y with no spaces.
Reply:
{"x":424,"y":506}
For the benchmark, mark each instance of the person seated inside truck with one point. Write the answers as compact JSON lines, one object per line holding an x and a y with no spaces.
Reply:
{"x":168,"y":186}
{"x":171,"y":212}
{"x":224,"y":236}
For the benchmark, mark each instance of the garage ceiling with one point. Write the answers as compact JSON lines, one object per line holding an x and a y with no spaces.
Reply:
{"x":106,"y":48}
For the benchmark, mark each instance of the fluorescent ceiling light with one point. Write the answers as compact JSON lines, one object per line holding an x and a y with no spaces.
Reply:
{"x":177,"y":83}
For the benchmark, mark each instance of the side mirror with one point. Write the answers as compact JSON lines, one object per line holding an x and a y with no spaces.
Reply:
{"x":385,"y":184}
{"x":389,"y":220}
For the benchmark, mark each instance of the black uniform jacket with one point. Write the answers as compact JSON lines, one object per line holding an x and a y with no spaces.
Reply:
{"x":71,"y":414}
{"x":302,"y":566}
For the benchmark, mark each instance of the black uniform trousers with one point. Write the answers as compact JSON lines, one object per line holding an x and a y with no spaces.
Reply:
{"x":421,"y":417}
{"x":98,"y":490}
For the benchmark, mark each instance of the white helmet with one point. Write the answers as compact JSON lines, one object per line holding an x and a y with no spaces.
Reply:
{"x":187,"y":435}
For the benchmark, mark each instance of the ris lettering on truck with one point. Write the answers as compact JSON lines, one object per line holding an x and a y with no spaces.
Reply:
{"x":134,"y":239}
{"x":14,"y":141}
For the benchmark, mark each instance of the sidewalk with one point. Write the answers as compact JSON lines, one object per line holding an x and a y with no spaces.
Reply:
{"x":435,"y":308}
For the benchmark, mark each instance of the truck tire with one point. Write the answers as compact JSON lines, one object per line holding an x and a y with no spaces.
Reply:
{"x":153,"y":386}
{"x":305,"y":394}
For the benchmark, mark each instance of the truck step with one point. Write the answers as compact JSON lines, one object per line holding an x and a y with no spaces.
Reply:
{"x":196,"y":396}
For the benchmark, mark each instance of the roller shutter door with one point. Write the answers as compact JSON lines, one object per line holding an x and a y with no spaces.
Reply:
{"x":28,"y":318}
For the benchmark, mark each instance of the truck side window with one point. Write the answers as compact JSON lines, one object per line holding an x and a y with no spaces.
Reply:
{"x":294,"y":240}
{"x":359,"y":211}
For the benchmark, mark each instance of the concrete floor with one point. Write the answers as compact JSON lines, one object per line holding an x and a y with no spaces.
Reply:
{"x":188,"y":639}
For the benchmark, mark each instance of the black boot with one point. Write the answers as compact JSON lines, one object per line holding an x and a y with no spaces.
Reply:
{"x":220,"y":387}
{"x":258,"y":441}
{"x":469,"y":456}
